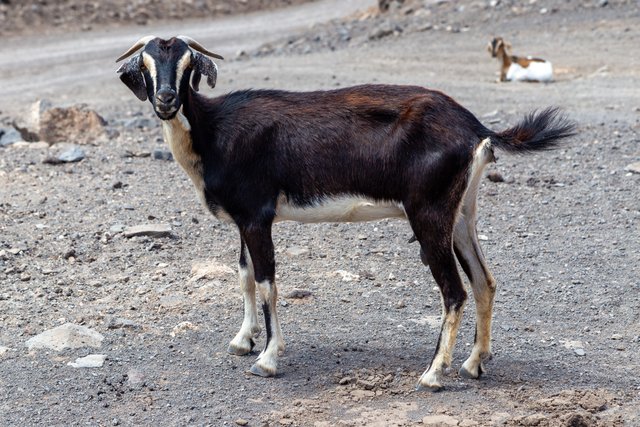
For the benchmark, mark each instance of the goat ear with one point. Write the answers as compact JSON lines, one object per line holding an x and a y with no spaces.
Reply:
{"x":203,"y":65}
{"x":195,"y":79}
{"x":131,"y":76}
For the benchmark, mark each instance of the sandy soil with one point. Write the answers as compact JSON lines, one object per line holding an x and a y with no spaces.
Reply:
{"x":562,"y":239}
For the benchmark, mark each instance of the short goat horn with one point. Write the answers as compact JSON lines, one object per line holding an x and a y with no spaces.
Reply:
{"x":137,"y":45}
{"x":197,"y":46}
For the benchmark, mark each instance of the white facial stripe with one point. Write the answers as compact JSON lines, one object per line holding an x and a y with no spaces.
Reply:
{"x":151,"y":66}
{"x":182,"y":65}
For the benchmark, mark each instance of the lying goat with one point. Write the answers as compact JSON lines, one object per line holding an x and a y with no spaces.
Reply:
{"x":356,"y":154}
{"x":516,"y":68}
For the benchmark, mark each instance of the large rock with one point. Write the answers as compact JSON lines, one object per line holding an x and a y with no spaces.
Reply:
{"x":75,"y":124}
{"x":66,"y":336}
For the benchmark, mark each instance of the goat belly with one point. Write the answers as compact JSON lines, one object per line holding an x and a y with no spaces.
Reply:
{"x":535,"y":71}
{"x":338,"y":209}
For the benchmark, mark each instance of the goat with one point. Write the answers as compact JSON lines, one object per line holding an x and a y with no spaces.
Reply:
{"x":355,"y":154}
{"x":517,"y":68}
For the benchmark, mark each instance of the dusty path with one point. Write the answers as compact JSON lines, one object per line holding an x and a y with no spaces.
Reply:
{"x":80,"y":66}
{"x":561,"y":237}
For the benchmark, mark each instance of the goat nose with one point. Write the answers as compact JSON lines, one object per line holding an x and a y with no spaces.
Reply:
{"x":166,"y":96}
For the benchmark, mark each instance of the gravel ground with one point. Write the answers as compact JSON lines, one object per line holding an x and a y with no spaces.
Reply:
{"x":359,"y":311}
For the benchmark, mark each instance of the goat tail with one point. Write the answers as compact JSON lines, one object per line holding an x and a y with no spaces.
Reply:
{"x":539,"y":130}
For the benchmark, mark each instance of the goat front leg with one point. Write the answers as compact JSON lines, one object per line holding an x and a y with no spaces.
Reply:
{"x":260,"y":246}
{"x":244,"y":342}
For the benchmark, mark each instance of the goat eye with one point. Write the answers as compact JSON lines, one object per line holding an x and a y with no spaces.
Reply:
{"x":143,"y":67}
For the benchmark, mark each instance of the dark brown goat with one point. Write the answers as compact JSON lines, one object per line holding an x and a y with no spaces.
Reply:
{"x":354,"y":154}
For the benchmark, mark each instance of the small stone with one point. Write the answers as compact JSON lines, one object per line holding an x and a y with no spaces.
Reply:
{"x":90,"y":361}
{"x":4,"y":350}
{"x":209,"y":270}
{"x":633,"y":167}
{"x":494,"y":176}
{"x":579,"y":351}
{"x":346,"y":276}
{"x":242,"y":422}
{"x":295,"y":251}
{"x":367,"y":385}
{"x":121,"y":323}
{"x":616,"y":337}
{"x":9,"y":136}
{"x":361,"y":394}
{"x":73,"y":154}
{"x":299,"y":294}
{"x":345,"y":381}
{"x":70,"y":155}
{"x":482,"y":237}
{"x":381,"y":32}
{"x":151,"y":230}
{"x":135,"y":377}
{"x":532,"y":420}
{"x":69,"y":253}
{"x":400,"y":304}
{"x":159,"y":154}
{"x":116,"y":228}
{"x":439,"y":420}
{"x":183,"y":327}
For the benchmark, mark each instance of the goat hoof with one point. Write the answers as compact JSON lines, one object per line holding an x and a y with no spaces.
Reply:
{"x":261,"y":371}
{"x":237,"y":350}
{"x":433,"y":388}
{"x":464,"y":373}
{"x":431,"y":380}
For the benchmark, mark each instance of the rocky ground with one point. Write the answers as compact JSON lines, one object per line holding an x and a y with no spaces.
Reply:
{"x":105,"y":249}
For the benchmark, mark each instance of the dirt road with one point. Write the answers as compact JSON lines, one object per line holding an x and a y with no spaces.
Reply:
{"x":561,"y":235}
{"x":80,"y":66}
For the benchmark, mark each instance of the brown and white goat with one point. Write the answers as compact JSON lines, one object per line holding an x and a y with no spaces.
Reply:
{"x":518,"y":68}
{"x":360,"y":153}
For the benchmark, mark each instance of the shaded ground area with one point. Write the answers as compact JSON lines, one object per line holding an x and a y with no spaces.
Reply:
{"x":359,"y":311}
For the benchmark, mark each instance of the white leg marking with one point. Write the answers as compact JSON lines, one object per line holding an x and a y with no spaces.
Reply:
{"x":267,"y":363}
{"x":243,"y":342}
{"x":432,"y":377}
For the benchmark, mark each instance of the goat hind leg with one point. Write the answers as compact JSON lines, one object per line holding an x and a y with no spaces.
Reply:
{"x":469,"y":254}
{"x":243,"y":342}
